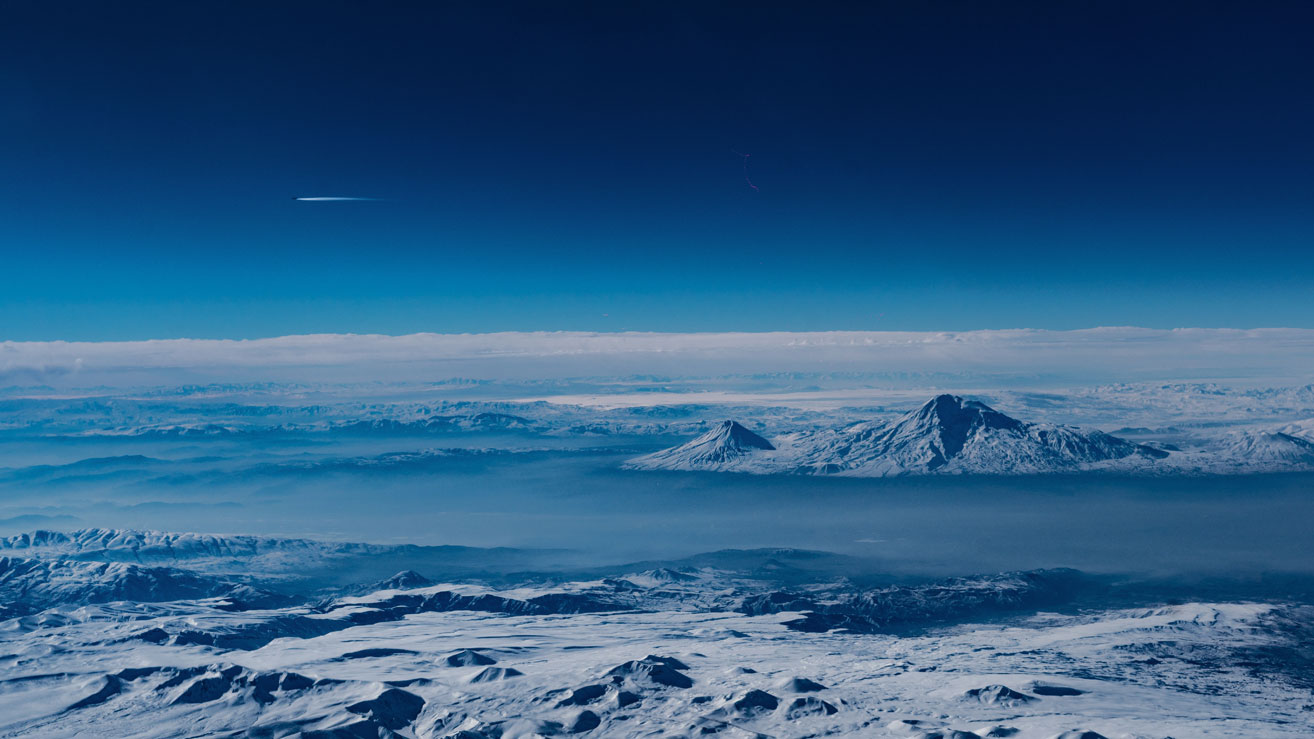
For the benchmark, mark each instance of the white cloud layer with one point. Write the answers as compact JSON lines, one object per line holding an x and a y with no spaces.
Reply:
{"x":1092,"y":355}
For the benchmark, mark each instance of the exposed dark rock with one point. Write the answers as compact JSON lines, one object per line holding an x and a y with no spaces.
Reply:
{"x":585,"y":721}
{"x":802,"y":685}
{"x":110,"y":688}
{"x":468,"y":658}
{"x":756,"y":701}
{"x":203,"y":690}
{"x":154,"y":635}
{"x":998,"y":694}
{"x":653,"y":670}
{"x":371,"y":653}
{"x":494,"y":674}
{"x":1055,"y":690}
{"x":404,"y":580}
{"x":809,"y":706}
{"x":903,"y":606}
{"x":668,"y":661}
{"x":394,"y":708}
{"x":583,"y":696}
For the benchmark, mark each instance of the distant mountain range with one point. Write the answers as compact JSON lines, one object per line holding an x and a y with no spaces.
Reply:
{"x":31,"y":585}
{"x":947,"y":435}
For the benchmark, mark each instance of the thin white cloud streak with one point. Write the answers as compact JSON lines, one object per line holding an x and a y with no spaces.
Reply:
{"x":1017,"y":355}
{"x":331,"y":199}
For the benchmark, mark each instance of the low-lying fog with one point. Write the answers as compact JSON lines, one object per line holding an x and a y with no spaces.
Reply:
{"x":579,"y":498}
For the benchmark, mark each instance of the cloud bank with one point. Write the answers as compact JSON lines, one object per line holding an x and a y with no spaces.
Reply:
{"x":1090,"y":355}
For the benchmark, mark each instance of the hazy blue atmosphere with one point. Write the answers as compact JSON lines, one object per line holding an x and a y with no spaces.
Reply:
{"x":576,"y":499}
{"x":910,"y":166}
{"x":529,"y":440}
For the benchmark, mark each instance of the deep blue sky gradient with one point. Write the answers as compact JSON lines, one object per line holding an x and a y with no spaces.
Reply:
{"x":928,"y":165}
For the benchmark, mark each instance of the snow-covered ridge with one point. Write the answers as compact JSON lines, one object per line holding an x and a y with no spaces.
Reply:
{"x":1269,"y":449}
{"x":293,"y":566}
{"x":946,"y":435}
{"x":32,"y":585}
{"x":129,"y":545}
{"x":890,"y":607}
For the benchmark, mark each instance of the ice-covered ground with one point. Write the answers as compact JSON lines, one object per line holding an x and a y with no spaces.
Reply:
{"x":684,"y":665}
{"x":155,"y":634}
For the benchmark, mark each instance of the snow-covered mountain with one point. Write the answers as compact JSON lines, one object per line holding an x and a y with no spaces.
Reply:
{"x":283,"y":564}
{"x":946,"y":435}
{"x":1255,"y":450}
{"x":31,"y":585}
{"x":724,"y":444}
{"x":156,"y":547}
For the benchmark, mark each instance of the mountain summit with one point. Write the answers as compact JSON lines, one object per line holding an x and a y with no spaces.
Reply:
{"x":727,"y":442}
{"x":953,"y":435}
{"x":945,"y":425}
{"x":945,"y":435}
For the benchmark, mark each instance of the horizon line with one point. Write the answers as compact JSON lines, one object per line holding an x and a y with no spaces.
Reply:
{"x":582,"y":333}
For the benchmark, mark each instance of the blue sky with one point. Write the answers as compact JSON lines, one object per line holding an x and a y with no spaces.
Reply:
{"x":918,"y":166}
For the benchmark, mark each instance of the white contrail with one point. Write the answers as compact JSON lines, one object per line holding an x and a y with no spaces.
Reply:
{"x":330,"y":199}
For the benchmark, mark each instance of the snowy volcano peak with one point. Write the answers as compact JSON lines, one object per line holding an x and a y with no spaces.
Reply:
{"x":727,"y":442}
{"x":940,"y":435}
{"x":944,"y":425}
{"x":950,"y":434}
{"x":731,"y":436}
{"x":951,"y":412}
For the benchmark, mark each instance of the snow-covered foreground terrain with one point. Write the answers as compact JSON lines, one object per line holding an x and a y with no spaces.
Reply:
{"x":694,"y":651}
{"x":138,"y":633}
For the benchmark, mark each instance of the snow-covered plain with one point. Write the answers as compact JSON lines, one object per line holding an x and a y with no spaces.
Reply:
{"x":665,"y":652}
